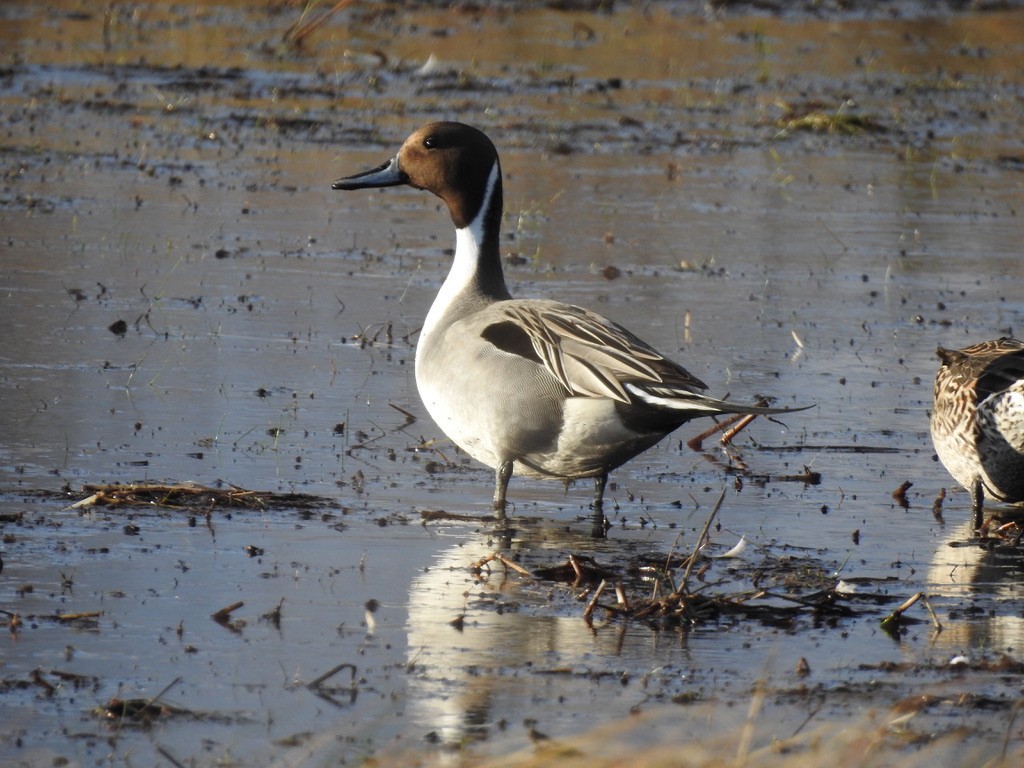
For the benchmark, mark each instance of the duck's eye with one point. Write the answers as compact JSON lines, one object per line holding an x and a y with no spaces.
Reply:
{"x":430,"y":142}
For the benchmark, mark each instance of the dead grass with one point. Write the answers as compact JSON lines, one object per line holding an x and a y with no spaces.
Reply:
{"x":883,"y":739}
{"x":818,"y":118}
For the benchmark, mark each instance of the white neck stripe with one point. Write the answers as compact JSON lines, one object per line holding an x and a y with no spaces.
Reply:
{"x":468,"y":242}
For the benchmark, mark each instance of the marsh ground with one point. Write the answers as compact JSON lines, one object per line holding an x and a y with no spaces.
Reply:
{"x":797,"y":202}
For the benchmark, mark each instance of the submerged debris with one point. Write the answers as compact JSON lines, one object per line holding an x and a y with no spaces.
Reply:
{"x":676,"y":590}
{"x":140,"y":711}
{"x":797,"y":591}
{"x":79,"y":619}
{"x":191,"y":496}
{"x":136,"y":711}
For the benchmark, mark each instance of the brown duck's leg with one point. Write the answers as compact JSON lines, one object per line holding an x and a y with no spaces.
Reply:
{"x":977,"y":502}
{"x":502,"y":474}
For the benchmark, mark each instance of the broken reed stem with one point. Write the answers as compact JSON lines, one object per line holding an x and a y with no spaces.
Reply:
{"x":742,"y":424}
{"x":588,"y":613}
{"x":620,"y":595}
{"x":332,"y":672}
{"x":733,"y":426}
{"x":695,"y":443}
{"x":700,"y":542}
{"x":910,"y":601}
{"x":893,"y":619}
{"x":225,"y":613}
{"x":931,"y":612}
{"x":167,"y":687}
{"x":478,"y":566}
{"x":409,"y":418}
{"x":508,"y":563}
{"x":668,"y":568}
{"x":576,"y":568}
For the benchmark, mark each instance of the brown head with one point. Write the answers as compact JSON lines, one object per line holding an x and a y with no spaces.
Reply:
{"x":452,"y":160}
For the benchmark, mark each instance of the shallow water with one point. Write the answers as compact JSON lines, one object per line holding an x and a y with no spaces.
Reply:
{"x":173,"y":172}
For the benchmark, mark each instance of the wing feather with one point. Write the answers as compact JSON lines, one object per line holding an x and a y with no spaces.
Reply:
{"x":593,"y":357}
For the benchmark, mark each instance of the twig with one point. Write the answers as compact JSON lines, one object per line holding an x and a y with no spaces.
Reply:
{"x":892,"y":621}
{"x":163,"y":751}
{"x":331,"y":672}
{"x":694,"y":443}
{"x":222,"y":616}
{"x":72,"y":677}
{"x":576,"y":568}
{"x":931,"y":612}
{"x":700,"y":542}
{"x":808,"y":477}
{"x":668,"y":568}
{"x":409,"y":418}
{"x":89,"y":501}
{"x":593,"y":601}
{"x":478,"y":566}
{"x":813,"y":713}
{"x":620,"y":595}
{"x":508,"y":563}
{"x":166,"y":688}
{"x":742,"y":424}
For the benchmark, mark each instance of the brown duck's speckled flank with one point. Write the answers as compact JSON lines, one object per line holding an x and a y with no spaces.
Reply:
{"x":977,"y":422}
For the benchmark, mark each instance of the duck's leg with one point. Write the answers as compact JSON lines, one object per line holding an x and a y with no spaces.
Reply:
{"x":599,"y":483}
{"x":977,"y":503}
{"x":599,"y":525}
{"x":502,"y":474}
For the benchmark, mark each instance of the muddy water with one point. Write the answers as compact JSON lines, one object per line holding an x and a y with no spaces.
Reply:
{"x":170,"y":167}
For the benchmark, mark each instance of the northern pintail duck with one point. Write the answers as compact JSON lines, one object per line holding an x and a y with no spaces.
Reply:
{"x":527,"y":386}
{"x":977,"y":419}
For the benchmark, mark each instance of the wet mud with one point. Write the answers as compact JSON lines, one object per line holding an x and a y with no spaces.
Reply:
{"x":230,"y":533}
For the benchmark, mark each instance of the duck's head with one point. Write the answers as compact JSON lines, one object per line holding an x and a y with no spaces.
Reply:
{"x":452,"y":160}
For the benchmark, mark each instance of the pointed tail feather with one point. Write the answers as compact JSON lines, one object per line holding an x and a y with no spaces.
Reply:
{"x":697,"y":403}
{"x":727,"y":406}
